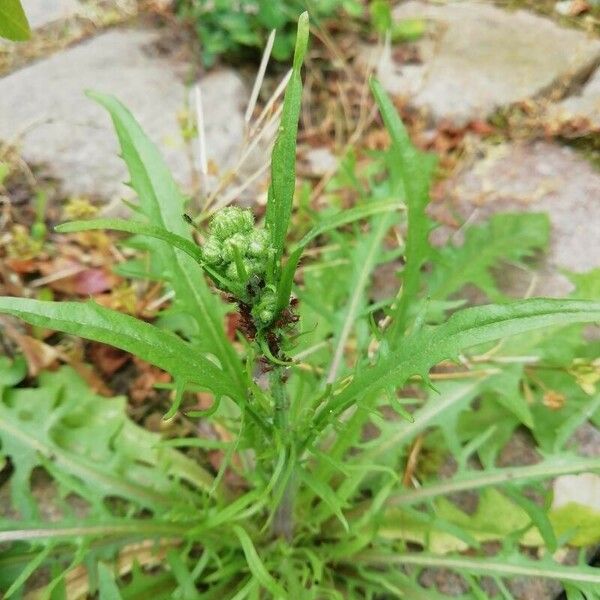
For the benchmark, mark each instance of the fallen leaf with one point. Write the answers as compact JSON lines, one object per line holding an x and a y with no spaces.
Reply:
{"x":74,"y":278}
{"x":39,"y":356}
{"x":22,"y":266}
{"x":107,"y":359}
{"x":142,"y":388}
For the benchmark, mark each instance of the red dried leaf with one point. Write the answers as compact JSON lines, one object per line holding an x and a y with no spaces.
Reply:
{"x":107,"y":359}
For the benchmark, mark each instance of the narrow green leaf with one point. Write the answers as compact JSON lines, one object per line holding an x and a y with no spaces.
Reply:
{"x":13,"y":22}
{"x":414,"y":171}
{"x":160,"y":348}
{"x":27,"y":572}
{"x":537,"y":515}
{"x":517,"y":566}
{"x":283,"y":160}
{"x":256,"y":566}
{"x":476,"y":480}
{"x":117,"y":528}
{"x":364,"y":257}
{"x":344,"y":217}
{"x":107,"y":587}
{"x":134,"y":227}
{"x":321,"y":489}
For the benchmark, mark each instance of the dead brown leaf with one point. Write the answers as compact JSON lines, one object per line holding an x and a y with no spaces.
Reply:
{"x":39,"y":356}
{"x":107,"y":359}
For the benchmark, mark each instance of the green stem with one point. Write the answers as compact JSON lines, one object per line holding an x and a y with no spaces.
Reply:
{"x":283,"y":521}
{"x":477,"y":480}
{"x":98,"y":530}
{"x":487,"y":566}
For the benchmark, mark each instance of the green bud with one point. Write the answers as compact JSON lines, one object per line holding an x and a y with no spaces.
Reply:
{"x":231,"y":272}
{"x":238,"y":240}
{"x":254,"y":267}
{"x":229,"y":221}
{"x":211,"y":251}
{"x":265,"y":316}
{"x":258,"y":243}
{"x":264,"y":310}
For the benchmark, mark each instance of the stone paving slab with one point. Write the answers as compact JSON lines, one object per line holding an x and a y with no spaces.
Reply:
{"x":44,"y":12}
{"x":533,"y":177}
{"x":476,"y":58}
{"x":44,"y":109}
{"x":584,"y":105}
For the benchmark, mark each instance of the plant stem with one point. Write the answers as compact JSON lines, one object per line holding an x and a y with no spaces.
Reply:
{"x":283,"y":521}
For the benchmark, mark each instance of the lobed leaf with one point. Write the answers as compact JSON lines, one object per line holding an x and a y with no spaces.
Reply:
{"x":78,"y":437}
{"x":469,"y":327}
{"x":505,"y":237}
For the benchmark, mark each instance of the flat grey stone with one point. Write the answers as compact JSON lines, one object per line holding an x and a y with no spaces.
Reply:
{"x":477,"y":58}
{"x":44,"y":12}
{"x":533,"y":177}
{"x":584,"y":105}
{"x":43,"y":108}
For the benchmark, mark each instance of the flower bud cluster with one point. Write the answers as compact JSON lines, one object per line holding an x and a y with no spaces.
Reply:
{"x":239,"y":252}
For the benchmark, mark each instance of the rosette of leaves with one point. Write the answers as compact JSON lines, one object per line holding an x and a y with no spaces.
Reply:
{"x":322,"y":503}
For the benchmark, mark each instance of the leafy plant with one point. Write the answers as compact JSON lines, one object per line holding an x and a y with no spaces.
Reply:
{"x":226,"y":27}
{"x":327,"y":408}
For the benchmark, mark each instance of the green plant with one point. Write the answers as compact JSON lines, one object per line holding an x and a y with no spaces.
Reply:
{"x":231,"y":28}
{"x":325,"y":401}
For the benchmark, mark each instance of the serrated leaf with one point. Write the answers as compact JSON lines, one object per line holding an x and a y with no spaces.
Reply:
{"x":92,"y":449}
{"x":469,"y":327}
{"x":163,"y":204}
{"x":160,"y":348}
{"x":13,"y":22}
